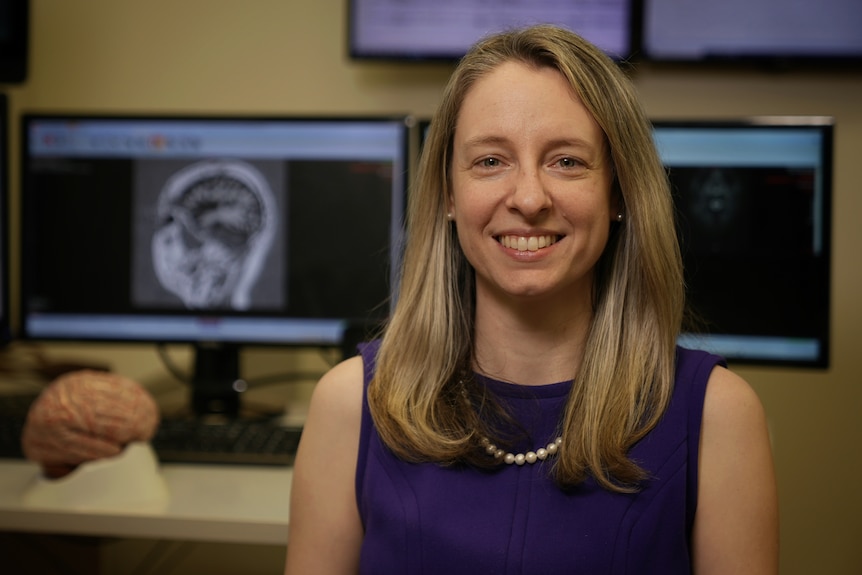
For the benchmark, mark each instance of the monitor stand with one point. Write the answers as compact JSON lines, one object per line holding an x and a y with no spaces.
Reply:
{"x":216,"y":383}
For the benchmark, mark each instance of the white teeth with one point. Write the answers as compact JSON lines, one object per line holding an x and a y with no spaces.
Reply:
{"x":527,"y":244}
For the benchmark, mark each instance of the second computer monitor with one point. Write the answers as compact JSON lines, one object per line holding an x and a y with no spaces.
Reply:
{"x":753,"y":201}
{"x":192,"y":229}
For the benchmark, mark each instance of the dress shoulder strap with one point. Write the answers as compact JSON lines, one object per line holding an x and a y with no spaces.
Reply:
{"x":693,"y":369}
{"x":367,"y":432}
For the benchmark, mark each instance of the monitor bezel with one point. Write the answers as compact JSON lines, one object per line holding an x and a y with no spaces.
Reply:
{"x":6,"y":331}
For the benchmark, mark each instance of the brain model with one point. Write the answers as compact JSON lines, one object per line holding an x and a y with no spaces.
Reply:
{"x":86,"y":415}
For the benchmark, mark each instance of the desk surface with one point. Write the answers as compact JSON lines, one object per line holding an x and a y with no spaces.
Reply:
{"x":219,"y":503}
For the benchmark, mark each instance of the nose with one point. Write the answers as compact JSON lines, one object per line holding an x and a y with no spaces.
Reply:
{"x":529,"y":195}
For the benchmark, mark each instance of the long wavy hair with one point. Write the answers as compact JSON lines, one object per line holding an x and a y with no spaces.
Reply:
{"x":626,"y":377}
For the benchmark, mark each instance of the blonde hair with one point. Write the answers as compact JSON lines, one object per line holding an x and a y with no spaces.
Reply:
{"x":626,"y":378}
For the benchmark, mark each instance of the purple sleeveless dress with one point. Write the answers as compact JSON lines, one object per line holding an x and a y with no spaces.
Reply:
{"x":435,"y":520}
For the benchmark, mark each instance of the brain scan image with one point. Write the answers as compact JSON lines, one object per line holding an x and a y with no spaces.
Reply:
{"x":216,"y":220}
{"x":714,"y":203}
{"x":716,"y":196}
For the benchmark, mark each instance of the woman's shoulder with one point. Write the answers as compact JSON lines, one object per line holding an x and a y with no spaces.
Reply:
{"x":736,"y":526}
{"x":722,"y":384}
{"x":730,"y":397}
{"x":324,"y":520}
{"x":339,"y":392}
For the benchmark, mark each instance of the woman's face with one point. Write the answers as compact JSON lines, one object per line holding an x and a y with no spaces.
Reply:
{"x":531,"y":185}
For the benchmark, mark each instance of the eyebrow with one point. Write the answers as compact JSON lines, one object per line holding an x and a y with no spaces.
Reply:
{"x":485,"y":140}
{"x":557,"y":143}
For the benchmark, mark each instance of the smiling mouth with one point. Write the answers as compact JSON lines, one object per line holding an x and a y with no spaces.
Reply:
{"x":527,"y":244}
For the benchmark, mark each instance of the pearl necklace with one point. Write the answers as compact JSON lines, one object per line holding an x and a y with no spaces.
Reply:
{"x":517,"y":458}
{"x":521,"y":458}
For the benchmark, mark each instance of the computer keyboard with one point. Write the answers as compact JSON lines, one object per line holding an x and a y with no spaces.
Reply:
{"x":237,"y":441}
{"x":181,"y":440}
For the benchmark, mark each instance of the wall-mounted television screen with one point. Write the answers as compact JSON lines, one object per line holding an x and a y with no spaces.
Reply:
{"x":443,"y":30}
{"x":753,"y":202}
{"x":769,"y":31}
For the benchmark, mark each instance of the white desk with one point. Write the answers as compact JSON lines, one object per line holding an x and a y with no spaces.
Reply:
{"x":215,"y":503}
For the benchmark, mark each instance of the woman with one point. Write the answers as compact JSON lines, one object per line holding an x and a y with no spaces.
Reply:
{"x":527,"y":409}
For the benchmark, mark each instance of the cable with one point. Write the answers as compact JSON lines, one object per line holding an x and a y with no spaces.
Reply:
{"x":169,"y":364}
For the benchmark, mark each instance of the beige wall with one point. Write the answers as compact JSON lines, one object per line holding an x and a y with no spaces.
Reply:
{"x":283,"y":56}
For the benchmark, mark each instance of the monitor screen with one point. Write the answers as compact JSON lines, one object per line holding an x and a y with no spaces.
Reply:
{"x":214,"y":231}
{"x":444,"y":30}
{"x":753,"y":202}
{"x":767,"y":30}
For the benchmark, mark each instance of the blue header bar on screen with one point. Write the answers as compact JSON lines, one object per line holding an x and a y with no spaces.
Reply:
{"x":124,"y":138}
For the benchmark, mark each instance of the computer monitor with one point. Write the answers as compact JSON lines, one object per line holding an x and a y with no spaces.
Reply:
{"x":753,"y":201}
{"x":5,"y":322}
{"x":14,"y":40}
{"x":216,"y":231}
{"x":773,"y":32}
{"x":421,"y":30}
{"x":753,"y":204}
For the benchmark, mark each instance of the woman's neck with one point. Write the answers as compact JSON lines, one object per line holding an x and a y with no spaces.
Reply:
{"x":531,"y":342}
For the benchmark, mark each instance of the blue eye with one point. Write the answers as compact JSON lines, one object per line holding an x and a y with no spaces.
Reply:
{"x":490,"y":162}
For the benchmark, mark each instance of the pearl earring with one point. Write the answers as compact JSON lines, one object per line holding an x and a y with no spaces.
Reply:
{"x":620,"y":217}
{"x":450,"y":216}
